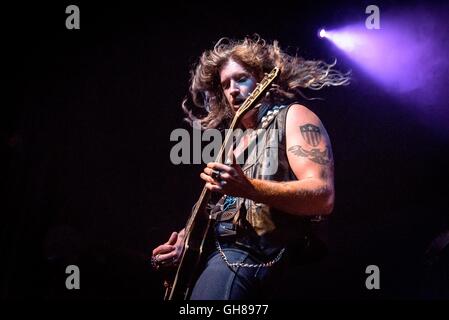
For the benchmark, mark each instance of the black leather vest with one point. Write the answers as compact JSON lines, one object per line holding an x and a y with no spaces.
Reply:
{"x":259,"y":226}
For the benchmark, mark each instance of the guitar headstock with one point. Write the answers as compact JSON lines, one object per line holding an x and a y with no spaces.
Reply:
{"x":260,"y":89}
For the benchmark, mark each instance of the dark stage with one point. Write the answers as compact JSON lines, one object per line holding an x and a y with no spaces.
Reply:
{"x":86,"y":173}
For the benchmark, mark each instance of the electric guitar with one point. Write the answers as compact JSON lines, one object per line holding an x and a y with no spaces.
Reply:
{"x":199,"y":223}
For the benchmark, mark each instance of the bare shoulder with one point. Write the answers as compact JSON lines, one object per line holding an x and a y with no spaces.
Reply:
{"x":303,"y":126}
{"x":299,"y":114}
{"x":308,"y":144}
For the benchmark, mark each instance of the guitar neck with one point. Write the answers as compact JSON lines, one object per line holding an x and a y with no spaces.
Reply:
{"x":200,"y":205}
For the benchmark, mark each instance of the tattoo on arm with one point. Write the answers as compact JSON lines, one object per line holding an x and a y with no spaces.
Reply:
{"x":315,"y":154}
{"x":311,"y":134}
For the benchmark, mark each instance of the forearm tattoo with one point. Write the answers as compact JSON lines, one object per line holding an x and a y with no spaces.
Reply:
{"x":311,"y":134}
{"x":315,"y":154}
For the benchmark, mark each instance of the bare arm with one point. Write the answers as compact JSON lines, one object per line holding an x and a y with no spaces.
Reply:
{"x":310,"y":157}
{"x":309,"y":154}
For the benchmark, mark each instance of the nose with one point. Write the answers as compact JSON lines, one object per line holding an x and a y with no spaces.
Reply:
{"x":234,"y":89}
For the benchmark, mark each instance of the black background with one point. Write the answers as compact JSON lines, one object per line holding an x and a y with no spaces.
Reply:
{"x":86,"y":171}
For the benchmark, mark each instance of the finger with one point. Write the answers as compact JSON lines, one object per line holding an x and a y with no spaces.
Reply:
{"x":219,"y":166}
{"x":209,"y":171}
{"x":226,"y":176}
{"x":158,"y":250}
{"x":223,"y":176}
{"x":213,"y":187}
{"x":173,"y":238}
{"x":216,"y":175}
{"x":162,"y":249}
{"x":206,"y":178}
{"x":166,"y":257}
{"x":179,"y":242}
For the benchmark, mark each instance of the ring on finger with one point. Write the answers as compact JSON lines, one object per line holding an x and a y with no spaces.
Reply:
{"x":216,"y":175}
{"x":155,"y":261}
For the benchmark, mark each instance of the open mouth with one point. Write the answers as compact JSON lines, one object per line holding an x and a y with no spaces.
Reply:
{"x":236,"y":106}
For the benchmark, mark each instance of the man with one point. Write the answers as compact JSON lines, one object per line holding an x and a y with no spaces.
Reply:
{"x":263,"y":211}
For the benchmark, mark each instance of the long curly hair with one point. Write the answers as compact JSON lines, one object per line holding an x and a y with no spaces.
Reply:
{"x":207,"y":103}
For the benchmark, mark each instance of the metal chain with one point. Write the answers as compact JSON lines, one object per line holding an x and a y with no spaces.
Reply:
{"x":248,"y":265}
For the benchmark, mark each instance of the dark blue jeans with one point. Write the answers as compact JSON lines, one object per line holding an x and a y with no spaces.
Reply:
{"x":218,"y":281}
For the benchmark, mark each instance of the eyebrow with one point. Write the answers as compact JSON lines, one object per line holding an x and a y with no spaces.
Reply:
{"x":236,"y":75}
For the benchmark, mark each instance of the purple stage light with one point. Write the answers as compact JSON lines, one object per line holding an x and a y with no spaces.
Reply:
{"x":344,"y":40}
{"x":322,"y":33}
{"x":407,"y":56}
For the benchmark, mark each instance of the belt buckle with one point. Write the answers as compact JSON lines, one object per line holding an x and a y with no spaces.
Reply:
{"x":225,"y":229}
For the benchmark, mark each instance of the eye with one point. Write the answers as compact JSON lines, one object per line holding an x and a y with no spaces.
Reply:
{"x":242,"y":79}
{"x":225,"y":85}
